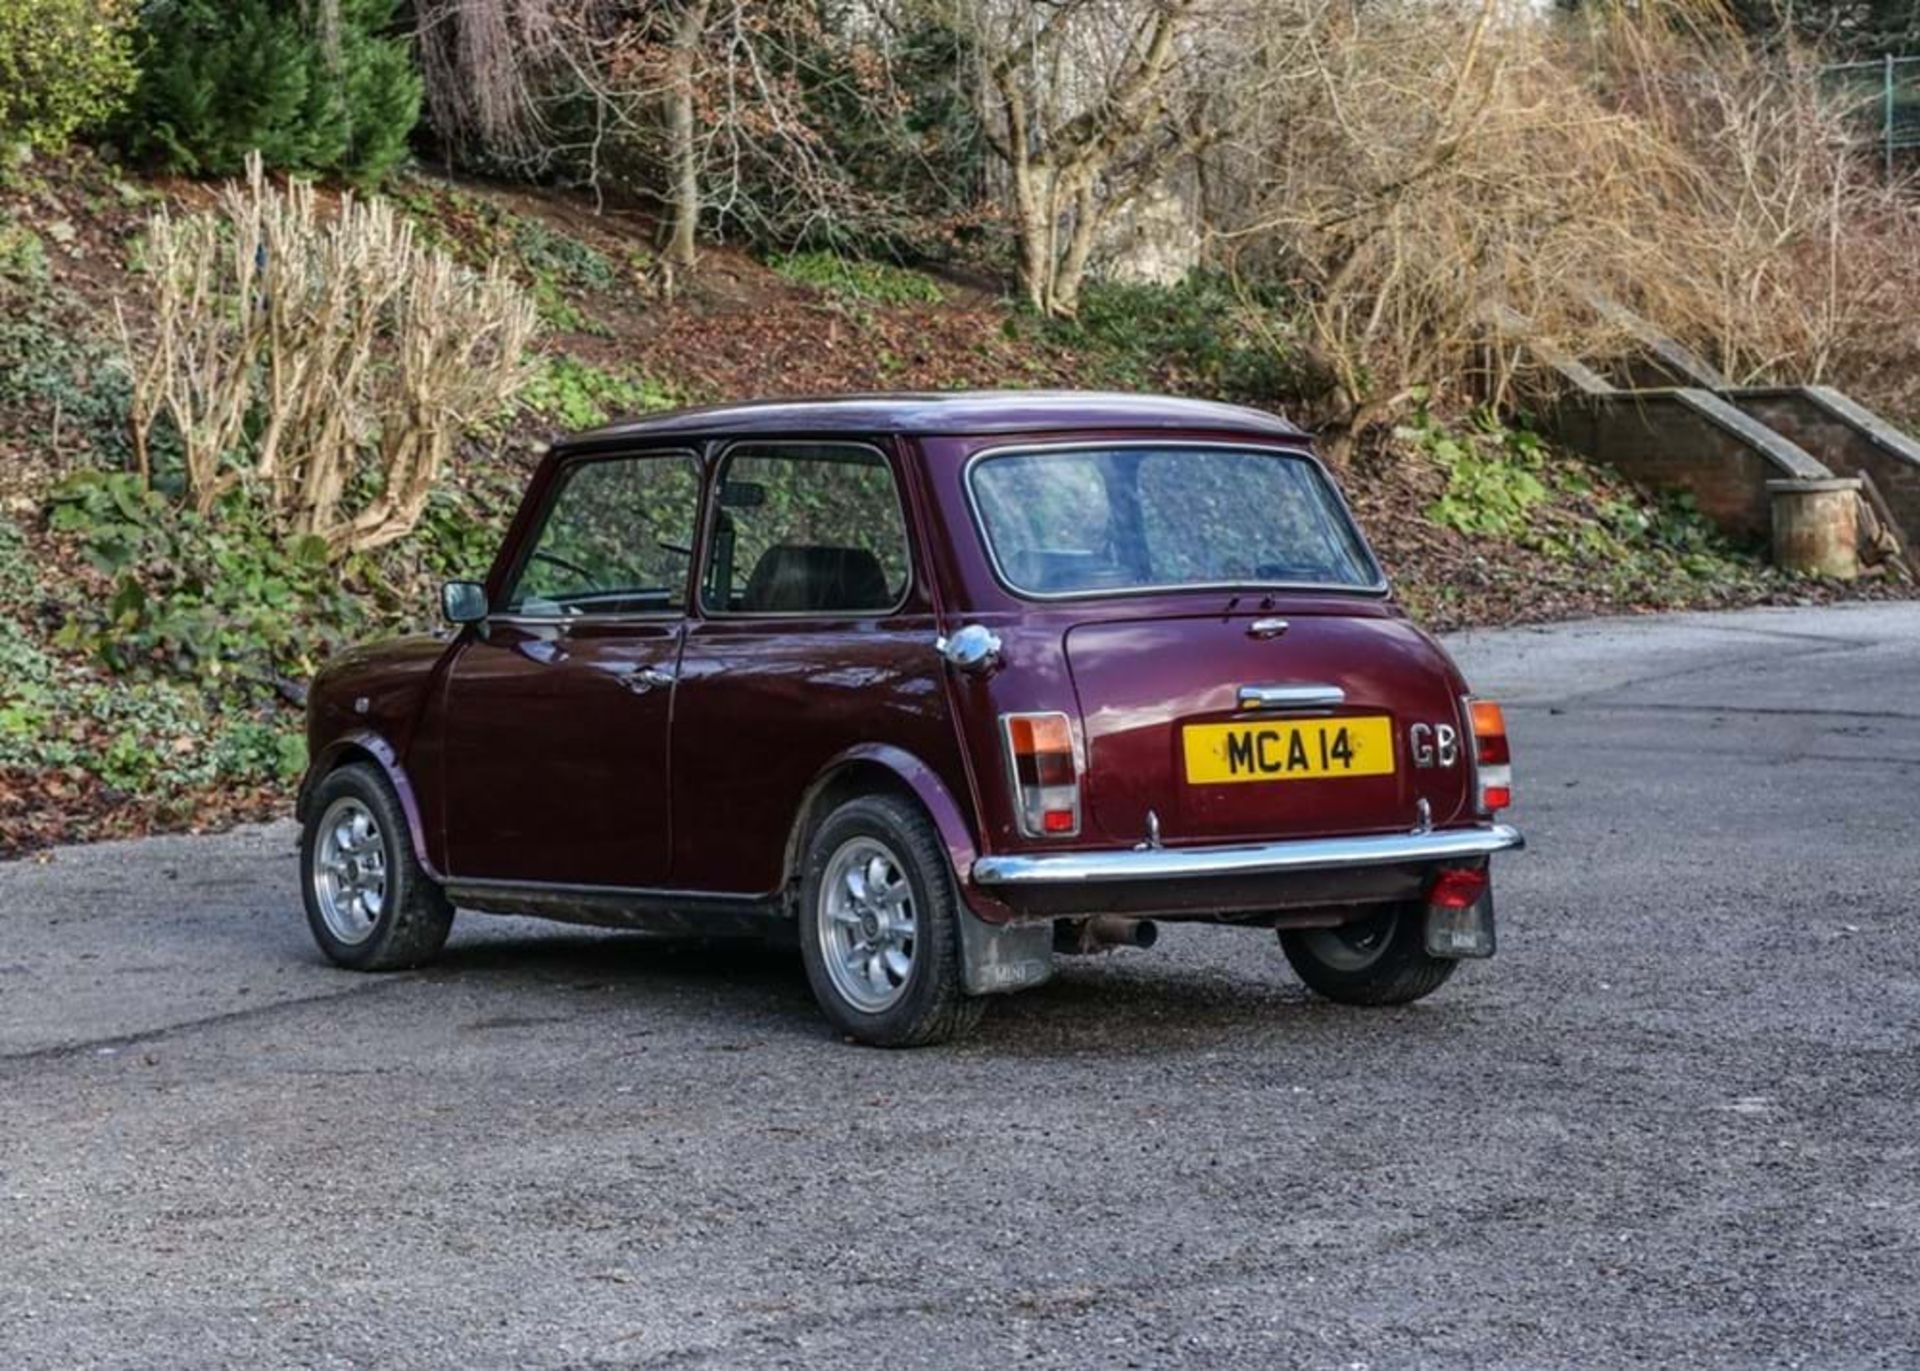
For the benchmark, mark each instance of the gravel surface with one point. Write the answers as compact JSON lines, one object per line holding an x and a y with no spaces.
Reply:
{"x":1673,"y":1122}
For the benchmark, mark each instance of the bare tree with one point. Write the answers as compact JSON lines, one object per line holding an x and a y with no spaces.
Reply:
{"x":487,"y":66}
{"x":702,"y":104}
{"x":1093,"y":101}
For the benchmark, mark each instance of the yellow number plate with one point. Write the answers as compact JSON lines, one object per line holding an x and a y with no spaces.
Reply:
{"x":1300,"y":751}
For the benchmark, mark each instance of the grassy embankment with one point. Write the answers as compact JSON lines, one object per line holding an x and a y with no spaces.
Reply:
{"x":150,"y":660}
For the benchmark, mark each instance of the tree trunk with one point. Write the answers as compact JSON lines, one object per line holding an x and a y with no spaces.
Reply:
{"x":1036,"y":260}
{"x":688,"y":29}
{"x":1072,"y":267}
{"x":1057,"y":170}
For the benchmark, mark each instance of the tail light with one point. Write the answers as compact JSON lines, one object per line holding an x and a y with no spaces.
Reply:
{"x":1046,"y":779}
{"x":1492,"y":763}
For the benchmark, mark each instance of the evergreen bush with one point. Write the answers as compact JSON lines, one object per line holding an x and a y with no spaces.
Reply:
{"x":223,"y":78}
{"x":64,"y":64}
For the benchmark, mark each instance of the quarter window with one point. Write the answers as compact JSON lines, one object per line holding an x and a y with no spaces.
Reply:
{"x":806,"y":528}
{"x":617,"y":540}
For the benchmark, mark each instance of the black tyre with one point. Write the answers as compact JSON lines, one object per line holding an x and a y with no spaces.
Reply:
{"x":878,"y":926}
{"x":1381,"y":959}
{"x":370,"y":906}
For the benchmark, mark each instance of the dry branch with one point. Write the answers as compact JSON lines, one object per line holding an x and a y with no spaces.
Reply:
{"x":1412,"y":170}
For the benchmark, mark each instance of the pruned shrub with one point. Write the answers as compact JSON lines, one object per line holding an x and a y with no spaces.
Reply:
{"x":322,"y":366}
{"x":1431,"y":165}
{"x":225,"y":78}
{"x":1456,"y":193}
{"x":64,"y":64}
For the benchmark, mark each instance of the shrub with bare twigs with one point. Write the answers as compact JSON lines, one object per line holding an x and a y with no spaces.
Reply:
{"x":325,"y":365}
{"x":1799,"y":256}
{"x":1416,"y":172}
{"x":1420,"y":166}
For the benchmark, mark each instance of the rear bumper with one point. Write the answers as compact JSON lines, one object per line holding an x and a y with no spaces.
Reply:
{"x":1248,"y":876}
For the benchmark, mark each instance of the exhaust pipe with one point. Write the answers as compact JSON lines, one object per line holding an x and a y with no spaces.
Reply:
{"x":1102,"y":933}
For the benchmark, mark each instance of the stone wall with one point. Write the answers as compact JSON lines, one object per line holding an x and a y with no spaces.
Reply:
{"x":1689,"y":440}
{"x":1153,"y":239}
{"x":1847,"y":438}
{"x":1680,"y":424}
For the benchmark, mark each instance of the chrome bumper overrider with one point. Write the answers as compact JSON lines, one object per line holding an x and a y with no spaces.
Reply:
{"x":1250,"y":859}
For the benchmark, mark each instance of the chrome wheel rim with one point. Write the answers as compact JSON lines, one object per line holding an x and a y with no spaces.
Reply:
{"x":349,"y":871}
{"x":1356,"y":946}
{"x":868,"y":926}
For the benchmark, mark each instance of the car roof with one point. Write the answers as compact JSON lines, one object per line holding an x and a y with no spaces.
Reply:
{"x":946,"y":412}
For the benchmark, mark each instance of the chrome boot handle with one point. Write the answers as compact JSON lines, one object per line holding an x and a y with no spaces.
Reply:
{"x":1291,"y":696}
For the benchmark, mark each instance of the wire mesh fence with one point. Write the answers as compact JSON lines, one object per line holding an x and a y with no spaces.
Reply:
{"x":1884,"y":97}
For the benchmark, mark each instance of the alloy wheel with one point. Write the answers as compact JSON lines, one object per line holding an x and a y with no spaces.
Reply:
{"x":868,"y":927}
{"x":350,"y":870}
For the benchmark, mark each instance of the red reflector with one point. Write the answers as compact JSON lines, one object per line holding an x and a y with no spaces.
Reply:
{"x":1498,"y":797}
{"x":1459,"y":888}
{"x":1057,"y":821}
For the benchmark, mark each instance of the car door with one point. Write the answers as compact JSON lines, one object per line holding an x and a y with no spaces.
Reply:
{"x":814,"y":636}
{"x":557,"y":707}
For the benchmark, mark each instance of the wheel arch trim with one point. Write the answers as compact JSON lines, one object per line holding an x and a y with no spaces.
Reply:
{"x":365,"y":744}
{"x":926,"y":785}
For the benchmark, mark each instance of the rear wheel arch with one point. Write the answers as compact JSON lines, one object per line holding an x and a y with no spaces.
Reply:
{"x":884,"y":769}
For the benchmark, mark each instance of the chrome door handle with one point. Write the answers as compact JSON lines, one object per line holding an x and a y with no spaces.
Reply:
{"x":647,"y":677}
{"x":1266,"y":628}
{"x":974,"y":649}
{"x":1291,"y":696}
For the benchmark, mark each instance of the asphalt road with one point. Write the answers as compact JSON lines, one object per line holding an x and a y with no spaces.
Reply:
{"x":1674,"y":1122}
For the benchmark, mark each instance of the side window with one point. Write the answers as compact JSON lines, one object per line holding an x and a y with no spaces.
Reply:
{"x":806,"y":528}
{"x":617,"y":540}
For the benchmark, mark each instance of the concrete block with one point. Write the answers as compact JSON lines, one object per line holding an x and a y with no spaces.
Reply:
{"x":1816,"y":526}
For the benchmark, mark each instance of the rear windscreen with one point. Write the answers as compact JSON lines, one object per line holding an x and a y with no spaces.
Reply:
{"x":1112,"y":520}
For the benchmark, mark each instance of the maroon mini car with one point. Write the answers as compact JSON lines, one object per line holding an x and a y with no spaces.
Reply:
{"x":942,"y":686}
